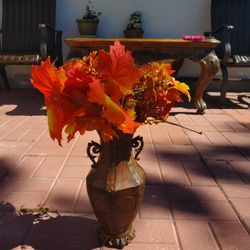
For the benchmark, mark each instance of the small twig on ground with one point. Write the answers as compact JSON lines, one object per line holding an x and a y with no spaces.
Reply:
{"x":151,"y":121}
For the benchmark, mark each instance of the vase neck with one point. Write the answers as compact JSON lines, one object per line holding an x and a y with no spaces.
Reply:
{"x":117,"y":149}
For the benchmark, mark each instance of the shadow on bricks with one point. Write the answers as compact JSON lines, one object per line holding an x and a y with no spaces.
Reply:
{"x":241,"y":101}
{"x":28,"y":102}
{"x":4,"y":168}
{"x":62,"y":232}
{"x":179,"y":199}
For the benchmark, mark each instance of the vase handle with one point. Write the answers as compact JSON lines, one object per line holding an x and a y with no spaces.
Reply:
{"x":137,"y":144}
{"x":93,"y":151}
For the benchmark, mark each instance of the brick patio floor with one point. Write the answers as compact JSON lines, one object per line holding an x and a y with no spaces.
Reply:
{"x":198,"y":184}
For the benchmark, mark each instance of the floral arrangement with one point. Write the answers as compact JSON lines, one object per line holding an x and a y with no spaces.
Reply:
{"x":134,"y":26}
{"x":105,"y":91}
{"x":134,"y":21}
{"x":89,"y":12}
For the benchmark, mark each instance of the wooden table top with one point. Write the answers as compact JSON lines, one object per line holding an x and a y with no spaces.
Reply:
{"x":144,"y":43}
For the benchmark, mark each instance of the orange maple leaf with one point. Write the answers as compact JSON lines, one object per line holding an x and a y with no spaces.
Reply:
{"x":118,"y":71}
{"x":49,"y":80}
{"x":112,"y":112}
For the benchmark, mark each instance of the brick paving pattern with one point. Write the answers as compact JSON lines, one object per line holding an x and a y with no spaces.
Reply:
{"x":198,"y":179}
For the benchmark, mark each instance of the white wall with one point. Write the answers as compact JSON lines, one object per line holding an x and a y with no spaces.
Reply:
{"x":161,"y":18}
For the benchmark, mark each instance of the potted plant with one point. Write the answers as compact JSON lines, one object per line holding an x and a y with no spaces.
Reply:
{"x":88,"y":24}
{"x":134,"y":27}
{"x":109,"y":93}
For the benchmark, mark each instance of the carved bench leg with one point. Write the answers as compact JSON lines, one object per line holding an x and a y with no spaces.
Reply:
{"x":209,"y":67}
{"x":4,"y":77}
{"x":224,"y":84}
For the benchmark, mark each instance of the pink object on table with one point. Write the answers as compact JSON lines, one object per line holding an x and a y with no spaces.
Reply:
{"x":193,"y":38}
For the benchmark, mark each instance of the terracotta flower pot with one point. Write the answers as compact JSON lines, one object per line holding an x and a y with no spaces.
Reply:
{"x":115,"y":187}
{"x":133,"y":33}
{"x":87,"y":26}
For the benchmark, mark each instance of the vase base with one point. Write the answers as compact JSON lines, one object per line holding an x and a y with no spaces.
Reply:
{"x":117,"y":241}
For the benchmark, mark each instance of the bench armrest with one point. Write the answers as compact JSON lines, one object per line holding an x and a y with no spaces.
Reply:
{"x":1,"y":47}
{"x":45,"y":30}
{"x":222,"y":33}
{"x":220,"y":29}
